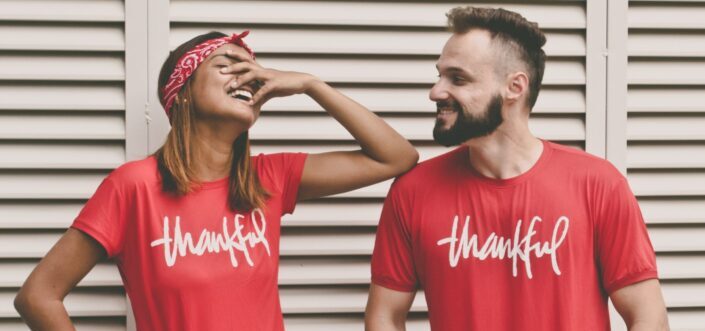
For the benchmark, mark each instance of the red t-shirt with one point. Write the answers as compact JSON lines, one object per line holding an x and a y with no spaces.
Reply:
{"x":189,"y":263}
{"x":540,"y":251}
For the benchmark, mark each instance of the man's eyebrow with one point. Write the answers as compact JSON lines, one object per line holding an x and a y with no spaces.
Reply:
{"x":456,"y":70}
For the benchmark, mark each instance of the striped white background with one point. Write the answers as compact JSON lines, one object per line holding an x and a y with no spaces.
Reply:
{"x":77,"y":82}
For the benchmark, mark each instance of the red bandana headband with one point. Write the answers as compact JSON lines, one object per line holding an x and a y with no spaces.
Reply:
{"x":188,"y":63}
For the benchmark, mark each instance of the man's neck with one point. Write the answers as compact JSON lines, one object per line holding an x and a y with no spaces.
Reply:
{"x":508,"y":152}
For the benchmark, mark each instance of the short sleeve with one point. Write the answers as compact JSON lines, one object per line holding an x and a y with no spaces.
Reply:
{"x":284,"y":171}
{"x":625,"y":253}
{"x":103,"y":217}
{"x":392,"y":259}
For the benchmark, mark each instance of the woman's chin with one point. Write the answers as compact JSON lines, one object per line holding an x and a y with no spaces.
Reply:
{"x":243,"y":115}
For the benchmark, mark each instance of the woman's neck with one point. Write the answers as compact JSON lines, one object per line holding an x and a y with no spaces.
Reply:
{"x":211,"y":152}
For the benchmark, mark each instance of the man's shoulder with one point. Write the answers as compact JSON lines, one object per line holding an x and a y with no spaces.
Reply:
{"x":583,"y":164}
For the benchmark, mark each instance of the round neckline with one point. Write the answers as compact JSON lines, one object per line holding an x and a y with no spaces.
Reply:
{"x":211,"y":184}
{"x":218,"y":183}
{"x":545,"y":154}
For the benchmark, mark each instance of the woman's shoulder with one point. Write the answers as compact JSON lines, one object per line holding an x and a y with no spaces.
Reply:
{"x":136,"y":172}
{"x":276,"y":161}
{"x":278,"y":169}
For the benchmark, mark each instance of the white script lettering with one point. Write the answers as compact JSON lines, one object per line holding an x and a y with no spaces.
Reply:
{"x":498,"y":247}
{"x":212,"y":242}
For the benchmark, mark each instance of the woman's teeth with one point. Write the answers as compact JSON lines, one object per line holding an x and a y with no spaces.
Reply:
{"x":241,"y":94}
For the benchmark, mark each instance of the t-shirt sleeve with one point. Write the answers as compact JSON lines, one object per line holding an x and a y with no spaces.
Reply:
{"x":285,"y":170}
{"x":103,"y":217}
{"x":392,"y":259}
{"x":625,"y":253}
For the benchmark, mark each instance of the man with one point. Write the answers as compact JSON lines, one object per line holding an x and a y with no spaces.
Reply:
{"x":508,"y":232}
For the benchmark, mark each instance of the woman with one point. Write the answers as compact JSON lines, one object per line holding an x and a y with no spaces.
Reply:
{"x":195,"y":227}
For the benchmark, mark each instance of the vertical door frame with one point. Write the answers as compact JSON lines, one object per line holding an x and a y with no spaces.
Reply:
{"x":146,"y":47}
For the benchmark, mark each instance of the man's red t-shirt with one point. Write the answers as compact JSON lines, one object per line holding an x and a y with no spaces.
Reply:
{"x":540,"y":251}
{"x":190,"y":263}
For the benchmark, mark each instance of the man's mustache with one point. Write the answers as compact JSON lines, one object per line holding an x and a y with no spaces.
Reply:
{"x":447,"y":104}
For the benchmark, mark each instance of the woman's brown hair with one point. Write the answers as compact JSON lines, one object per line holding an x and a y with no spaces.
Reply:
{"x":175,"y":157}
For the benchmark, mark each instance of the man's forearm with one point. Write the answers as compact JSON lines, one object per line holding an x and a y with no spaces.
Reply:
{"x":659,"y":324}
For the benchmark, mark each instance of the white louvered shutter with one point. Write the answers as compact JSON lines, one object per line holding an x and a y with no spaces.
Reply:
{"x":62,"y":129}
{"x":383,"y":55}
{"x":666,"y":145}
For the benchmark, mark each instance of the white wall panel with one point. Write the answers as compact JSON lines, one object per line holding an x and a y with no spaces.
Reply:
{"x":334,"y":213}
{"x":665,"y":158}
{"x":669,"y":154}
{"x":684,"y":294}
{"x":344,"y":41}
{"x":383,"y":55}
{"x":667,"y":183}
{"x":678,"y":266}
{"x":300,"y":270}
{"x":672,"y":44}
{"x":62,"y":96}
{"x":416,"y":128}
{"x":103,"y":274}
{"x":645,"y":99}
{"x":686,"y":320}
{"x":666,"y":15}
{"x":62,"y":128}
{"x":83,"y":67}
{"x":81,"y":323}
{"x":678,"y":210}
{"x":662,"y":72}
{"x":549,"y":15}
{"x":49,"y":185}
{"x":64,"y":10}
{"x":38,"y":214}
{"x":410,"y":99}
{"x":43,"y":36}
{"x":61,"y":155}
{"x":426,"y":149}
{"x":54,"y":125}
{"x":670,"y":127}
{"x":343,"y":323}
{"x":107,"y":301}
{"x":403,"y":70}
{"x":678,"y":239}
{"x":339,"y":299}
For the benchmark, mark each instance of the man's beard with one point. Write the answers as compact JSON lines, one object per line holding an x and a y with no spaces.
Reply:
{"x":466,"y":126}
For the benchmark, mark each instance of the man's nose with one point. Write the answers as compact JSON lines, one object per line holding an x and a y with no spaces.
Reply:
{"x":438,"y":92}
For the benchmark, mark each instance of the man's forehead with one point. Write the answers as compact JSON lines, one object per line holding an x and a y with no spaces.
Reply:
{"x":467,"y":50}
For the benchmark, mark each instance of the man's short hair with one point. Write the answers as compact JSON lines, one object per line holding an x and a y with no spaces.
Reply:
{"x":517,"y":36}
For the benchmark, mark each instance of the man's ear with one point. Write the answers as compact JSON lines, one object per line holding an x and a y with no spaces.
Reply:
{"x":517,"y":86}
